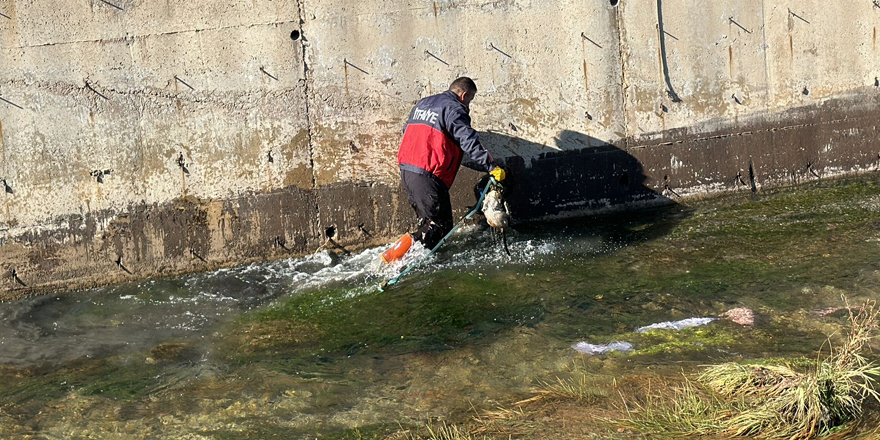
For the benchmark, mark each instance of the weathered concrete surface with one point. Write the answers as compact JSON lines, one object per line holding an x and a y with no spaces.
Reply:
{"x":147,"y":138}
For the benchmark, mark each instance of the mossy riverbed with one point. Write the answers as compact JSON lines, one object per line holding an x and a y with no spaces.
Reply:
{"x":470,"y":342}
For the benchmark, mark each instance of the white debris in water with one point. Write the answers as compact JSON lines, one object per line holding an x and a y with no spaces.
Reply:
{"x":676,"y":325}
{"x":593,"y":349}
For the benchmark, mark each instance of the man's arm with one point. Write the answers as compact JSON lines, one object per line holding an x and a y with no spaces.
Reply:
{"x":459,"y":126}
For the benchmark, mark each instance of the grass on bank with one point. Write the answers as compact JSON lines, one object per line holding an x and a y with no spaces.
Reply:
{"x":769,"y":399}
{"x":579,"y":389}
{"x":447,"y":432}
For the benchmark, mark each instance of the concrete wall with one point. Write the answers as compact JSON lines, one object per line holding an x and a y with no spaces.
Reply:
{"x":141,"y":138}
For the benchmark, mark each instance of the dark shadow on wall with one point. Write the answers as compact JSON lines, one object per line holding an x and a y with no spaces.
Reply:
{"x":587,"y":176}
{"x":587,"y":186}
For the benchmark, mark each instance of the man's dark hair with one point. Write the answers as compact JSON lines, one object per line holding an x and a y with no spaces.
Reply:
{"x":463,"y":84}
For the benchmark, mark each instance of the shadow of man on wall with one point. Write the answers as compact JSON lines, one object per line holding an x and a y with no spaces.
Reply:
{"x":582,"y":176}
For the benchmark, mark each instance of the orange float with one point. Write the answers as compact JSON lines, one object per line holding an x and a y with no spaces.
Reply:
{"x":398,"y":250}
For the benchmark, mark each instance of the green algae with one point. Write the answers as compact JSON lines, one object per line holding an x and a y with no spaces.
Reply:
{"x":656,"y":342}
{"x":114,"y":378}
{"x":452,"y":311}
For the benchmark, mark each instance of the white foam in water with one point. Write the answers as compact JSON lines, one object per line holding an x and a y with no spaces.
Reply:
{"x":585,"y":348}
{"x":520,"y":252}
{"x":304,"y":276}
{"x":363,"y":271}
{"x":676,"y":325}
{"x":532,"y":249}
{"x":324,"y":268}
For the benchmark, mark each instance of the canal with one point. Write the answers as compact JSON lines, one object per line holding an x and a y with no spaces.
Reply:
{"x":309,"y":348}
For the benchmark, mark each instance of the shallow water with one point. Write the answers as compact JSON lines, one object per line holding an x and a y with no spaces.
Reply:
{"x":307,"y":348}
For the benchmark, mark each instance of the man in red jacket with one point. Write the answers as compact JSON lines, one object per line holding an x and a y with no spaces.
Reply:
{"x":436,"y":137}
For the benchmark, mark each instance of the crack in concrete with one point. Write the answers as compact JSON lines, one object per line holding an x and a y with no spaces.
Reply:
{"x":5,"y":176}
{"x":128,"y":38}
{"x":670,"y":90}
{"x":308,"y":112}
{"x":764,"y":48}
{"x":623,"y":81}
{"x":230,"y":100}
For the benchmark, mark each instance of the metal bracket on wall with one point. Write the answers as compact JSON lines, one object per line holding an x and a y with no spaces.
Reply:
{"x":11,"y":103}
{"x":492,"y":47}
{"x":585,"y":37}
{"x":798,"y":16}
{"x":811,"y":170}
{"x":89,"y":86}
{"x":194,"y":255}
{"x":119,"y":264}
{"x":435,"y":57}
{"x":281,"y":242}
{"x":733,"y":22}
{"x":366,"y":234}
{"x":268,"y":74}
{"x":16,"y":279}
{"x":117,"y":7}
{"x":177,"y":78}
{"x":667,"y":188}
{"x":99,"y":175}
{"x":181,"y":162}
{"x":346,"y":63}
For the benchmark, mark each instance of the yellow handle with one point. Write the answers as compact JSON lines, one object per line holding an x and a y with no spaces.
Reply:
{"x":497,"y":173}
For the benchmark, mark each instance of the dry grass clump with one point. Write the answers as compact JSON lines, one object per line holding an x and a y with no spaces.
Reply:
{"x":688,"y":411}
{"x":579,"y":389}
{"x":770,"y":400}
{"x":445,"y":432}
{"x":506,"y":423}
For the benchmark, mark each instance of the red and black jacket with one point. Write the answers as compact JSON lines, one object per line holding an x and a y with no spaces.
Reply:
{"x":436,"y":136}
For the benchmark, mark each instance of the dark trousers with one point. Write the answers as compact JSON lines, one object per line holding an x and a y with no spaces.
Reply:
{"x":429,"y":197}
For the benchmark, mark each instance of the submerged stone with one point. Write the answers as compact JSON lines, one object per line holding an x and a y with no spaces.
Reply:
{"x":740,"y":315}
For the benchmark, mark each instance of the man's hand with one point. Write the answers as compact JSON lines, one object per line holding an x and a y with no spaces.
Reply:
{"x":498,"y":173}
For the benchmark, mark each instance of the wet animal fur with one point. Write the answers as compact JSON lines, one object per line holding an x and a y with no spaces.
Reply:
{"x":495,"y":209}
